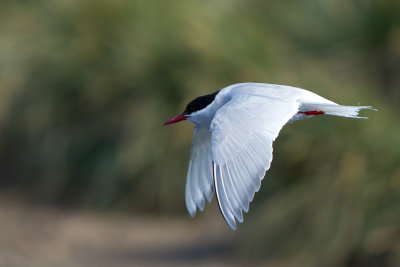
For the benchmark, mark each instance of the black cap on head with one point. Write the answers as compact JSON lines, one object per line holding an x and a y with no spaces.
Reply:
{"x":199,"y":103}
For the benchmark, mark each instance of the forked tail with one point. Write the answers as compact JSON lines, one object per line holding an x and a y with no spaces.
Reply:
{"x":335,"y":110}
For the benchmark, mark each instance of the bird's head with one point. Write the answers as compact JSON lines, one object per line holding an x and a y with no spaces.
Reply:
{"x":195,"y":107}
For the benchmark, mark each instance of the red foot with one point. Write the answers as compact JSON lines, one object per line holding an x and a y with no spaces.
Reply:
{"x":312,"y":113}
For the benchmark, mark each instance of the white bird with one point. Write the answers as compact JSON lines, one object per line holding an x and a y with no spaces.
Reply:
{"x":233,"y":135}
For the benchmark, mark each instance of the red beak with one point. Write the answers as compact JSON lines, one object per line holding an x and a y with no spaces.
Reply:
{"x":176,"y":119}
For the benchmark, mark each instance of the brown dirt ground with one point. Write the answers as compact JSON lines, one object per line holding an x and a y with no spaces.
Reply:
{"x":37,"y":236}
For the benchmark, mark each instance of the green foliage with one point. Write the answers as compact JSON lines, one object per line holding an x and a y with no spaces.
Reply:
{"x":86,"y":85}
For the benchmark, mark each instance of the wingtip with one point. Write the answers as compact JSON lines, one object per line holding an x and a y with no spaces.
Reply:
{"x":229,"y":218}
{"x":232,"y":226}
{"x":190,"y":207}
{"x":192,"y":213}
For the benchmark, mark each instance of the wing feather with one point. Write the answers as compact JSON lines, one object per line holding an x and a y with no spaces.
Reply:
{"x":199,"y":180}
{"x":243,"y":131}
{"x":232,"y":197}
{"x":240,"y":188}
{"x":225,"y":206}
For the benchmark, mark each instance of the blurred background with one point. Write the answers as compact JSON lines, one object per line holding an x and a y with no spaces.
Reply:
{"x":89,"y":177}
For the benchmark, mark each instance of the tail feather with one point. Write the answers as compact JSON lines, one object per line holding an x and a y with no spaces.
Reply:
{"x":336,"y":110}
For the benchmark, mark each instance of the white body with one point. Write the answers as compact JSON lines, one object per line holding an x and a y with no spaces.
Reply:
{"x":232,"y":143}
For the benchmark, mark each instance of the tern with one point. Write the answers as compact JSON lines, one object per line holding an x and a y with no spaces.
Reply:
{"x":233,"y":135}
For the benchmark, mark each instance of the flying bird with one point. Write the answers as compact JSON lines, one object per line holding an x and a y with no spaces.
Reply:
{"x":233,"y":135}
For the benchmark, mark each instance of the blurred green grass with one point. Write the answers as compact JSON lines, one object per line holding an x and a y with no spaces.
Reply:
{"x":85,"y":87}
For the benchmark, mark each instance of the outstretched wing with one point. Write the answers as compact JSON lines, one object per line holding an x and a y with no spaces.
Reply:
{"x":241,"y":144}
{"x":199,"y":182}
